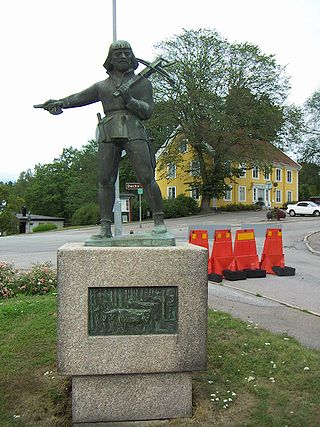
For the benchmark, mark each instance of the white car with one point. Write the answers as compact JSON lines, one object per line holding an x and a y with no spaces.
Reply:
{"x":304,"y":208}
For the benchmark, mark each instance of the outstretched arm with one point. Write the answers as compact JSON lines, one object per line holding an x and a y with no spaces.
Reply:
{"x":86,"y":97}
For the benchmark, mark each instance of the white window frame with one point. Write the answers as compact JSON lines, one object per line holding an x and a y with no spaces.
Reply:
{"x":289,"y":198}
{"x":228,"y":199}
{"x":255,"y":171}
{"x":278,"y":199}
{"x":245,"y":193}
{"x":172,"y":187}
{"x":289,"y":174}
{"x":278,"y":172}
{"x":171,"y":173}
{"x":254,"y":194}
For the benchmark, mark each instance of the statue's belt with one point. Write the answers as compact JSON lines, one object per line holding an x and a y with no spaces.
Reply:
{"x":110,"y":113}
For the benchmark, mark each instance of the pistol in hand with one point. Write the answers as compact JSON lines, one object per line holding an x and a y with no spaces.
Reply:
{"x":53,"y":106}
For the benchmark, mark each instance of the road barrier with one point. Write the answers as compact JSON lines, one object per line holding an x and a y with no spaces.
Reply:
{"x":245,"y":253}
{"x":199,"y":238}
{"x":242,"y":261}
{"x":272,"y":258}
{"x":222,"y":257}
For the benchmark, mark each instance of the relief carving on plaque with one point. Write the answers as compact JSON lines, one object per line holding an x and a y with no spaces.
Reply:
{"x":132,"y":311}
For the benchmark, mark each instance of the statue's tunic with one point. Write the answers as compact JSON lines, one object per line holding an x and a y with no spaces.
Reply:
{"x":122,"y":121}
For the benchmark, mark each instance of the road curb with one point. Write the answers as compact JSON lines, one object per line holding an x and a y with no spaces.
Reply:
{"x":295,"y":307}
{"x":306,"y":242}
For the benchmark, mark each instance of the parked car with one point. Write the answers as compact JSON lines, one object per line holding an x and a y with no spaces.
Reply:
{"x":304,"y":208}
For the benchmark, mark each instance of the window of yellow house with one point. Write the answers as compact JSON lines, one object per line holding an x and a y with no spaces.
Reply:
{"x":242,"y":193}
{"x":278,"y":174}
{"x":195,"y":193}
{"x":255,"y":172}
{"x":254,"y":194}
{"x":171,"y":171}
{"x":289,"y":196}
{"x":289,"y":176}
{"x":183,"y":146}
{"x":267,"y":175}
{"x":194,"y":168}
{"x":228,"y":195}
{"x":171,"y":192}
{"x":244,"y":171}
{"x":278,"y":196}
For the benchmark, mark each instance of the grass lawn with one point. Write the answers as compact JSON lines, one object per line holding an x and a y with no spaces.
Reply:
{"x":254,"y":378}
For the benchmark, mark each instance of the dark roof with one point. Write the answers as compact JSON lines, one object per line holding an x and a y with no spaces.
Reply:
{"x":278,"y":157}
{"x":39,"y":217}
{"x":273,"y":155}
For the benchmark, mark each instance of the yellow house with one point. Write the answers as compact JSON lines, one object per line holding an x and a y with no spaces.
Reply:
{"x":271,"y":187}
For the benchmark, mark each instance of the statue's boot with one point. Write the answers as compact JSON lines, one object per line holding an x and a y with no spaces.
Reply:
{"x":159,"y":226}
{"x":105,"y":228}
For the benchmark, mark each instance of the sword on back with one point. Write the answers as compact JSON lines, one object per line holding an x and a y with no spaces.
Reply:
{"x":157,"y":66}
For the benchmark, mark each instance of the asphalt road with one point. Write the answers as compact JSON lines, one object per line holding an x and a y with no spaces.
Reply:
{"x":284,"y":304}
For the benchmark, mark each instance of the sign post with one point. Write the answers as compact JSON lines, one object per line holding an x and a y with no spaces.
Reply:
{"x":133,"y":186}
{"x":140,"y":192}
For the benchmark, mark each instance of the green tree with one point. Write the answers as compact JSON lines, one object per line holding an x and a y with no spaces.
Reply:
{"x":82,"y":178}
{"x":311,"y":150}
{"x":46,"y":192}
{"x":309,"y":180}
{"x":226,"y":97}
{"x":10,"y":205}
{"x":68,"y":183}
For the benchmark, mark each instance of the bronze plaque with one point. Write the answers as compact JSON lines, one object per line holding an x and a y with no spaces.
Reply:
{"x":132,"y":311}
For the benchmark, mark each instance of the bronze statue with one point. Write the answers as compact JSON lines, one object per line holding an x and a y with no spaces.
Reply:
{"x":127,"y":101}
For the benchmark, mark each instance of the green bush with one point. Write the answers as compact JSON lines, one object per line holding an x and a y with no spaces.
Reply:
{"x":173,"y":208}
{"x":44,"y":227}
{"x":86,"y":215}
{"x":237,"y":207}
{"x":41,"y":279}
{"x":145,"y":208}
{"x":180,"y":206}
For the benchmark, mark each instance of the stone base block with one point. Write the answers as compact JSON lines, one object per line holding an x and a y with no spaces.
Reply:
{"x":107,"y":398}
{"x":137,"y":310}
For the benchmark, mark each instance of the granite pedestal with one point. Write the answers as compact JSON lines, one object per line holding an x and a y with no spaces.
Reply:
{"x":132,"y":327}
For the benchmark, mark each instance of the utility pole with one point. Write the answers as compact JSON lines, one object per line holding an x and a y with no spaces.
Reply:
{"x":117,"y":202}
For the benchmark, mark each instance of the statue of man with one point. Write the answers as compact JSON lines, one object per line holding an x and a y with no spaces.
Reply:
{"x":127,"y":101}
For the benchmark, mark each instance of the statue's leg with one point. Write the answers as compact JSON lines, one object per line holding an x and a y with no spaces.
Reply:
{"x":140,"y":159}
{"x":109,"y":155}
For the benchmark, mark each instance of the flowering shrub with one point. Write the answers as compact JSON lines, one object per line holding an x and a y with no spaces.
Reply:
{"x":41,"y":279}
{"x":8,"y":283}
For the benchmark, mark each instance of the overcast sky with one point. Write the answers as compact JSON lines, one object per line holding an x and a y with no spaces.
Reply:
{"x":53,"y":48}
